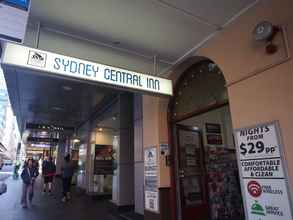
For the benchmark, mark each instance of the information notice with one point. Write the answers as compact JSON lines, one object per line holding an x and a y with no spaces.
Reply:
{"x":151,"y":179}
{"x":263,"y":178}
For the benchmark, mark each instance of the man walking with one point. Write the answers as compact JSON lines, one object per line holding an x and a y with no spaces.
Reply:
{"x":28,"y":176}
{"x":67,"y":173}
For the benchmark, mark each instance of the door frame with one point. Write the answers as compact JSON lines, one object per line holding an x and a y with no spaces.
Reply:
{"x":172,"y":137}
{"x":203,"y":180}
{"x":171,"y":123}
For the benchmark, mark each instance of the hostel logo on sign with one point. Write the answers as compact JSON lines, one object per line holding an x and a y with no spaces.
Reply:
{"x":150,"y":156}
{"x":254,"y":189}
{"x":37,"y":59}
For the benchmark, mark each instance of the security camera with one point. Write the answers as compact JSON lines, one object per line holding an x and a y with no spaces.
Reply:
{"x":265,"y":32}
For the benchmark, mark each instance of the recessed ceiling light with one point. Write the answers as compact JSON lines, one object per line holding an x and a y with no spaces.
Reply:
{"x":76,"y":140}
{"x":57,"y":108}
{"x":66,"y":88}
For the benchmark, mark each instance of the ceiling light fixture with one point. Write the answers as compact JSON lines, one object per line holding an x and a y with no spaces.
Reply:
{"x":75,"y":138}
{"x":66,"y":88}
{"x":100,"y":129}
{"x":56,"y":108}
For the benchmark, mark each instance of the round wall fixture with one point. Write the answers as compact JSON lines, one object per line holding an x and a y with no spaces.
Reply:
{"x":264,"y":31}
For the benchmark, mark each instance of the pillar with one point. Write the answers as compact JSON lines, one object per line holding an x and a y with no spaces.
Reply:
{"x":60,"y":157}
{"x":138,"y":155}
{"x":125,"y":160}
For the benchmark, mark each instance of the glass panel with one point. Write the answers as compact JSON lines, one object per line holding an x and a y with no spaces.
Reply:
{"x":192,"y":190}
{"x":203,"y":84}
{"x":190,"y":167}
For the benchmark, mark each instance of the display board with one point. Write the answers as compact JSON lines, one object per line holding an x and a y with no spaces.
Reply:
{"x":151,"y":179}
{"x":13,"y":19}
{"x":263,"y":177}
{"x":214,"y":134}
{"x":225,"y":199}
{"x":103,"y":163}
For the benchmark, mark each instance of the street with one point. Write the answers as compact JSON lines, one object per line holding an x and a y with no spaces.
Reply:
{"x":6,"y":172}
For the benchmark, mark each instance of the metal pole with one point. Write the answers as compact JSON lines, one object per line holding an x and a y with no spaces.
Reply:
{"x":155,"y":64}
{"x":37,"y":40}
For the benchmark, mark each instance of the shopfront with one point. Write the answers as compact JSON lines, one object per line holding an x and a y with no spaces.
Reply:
{"x":205,"y":172}
{"x":228,"y":128}
{"x":97,"y":102}
{"x":217,"y":147}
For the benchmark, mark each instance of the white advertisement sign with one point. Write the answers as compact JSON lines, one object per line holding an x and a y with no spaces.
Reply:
{"x":151,"y":201}
{"x":150,"y":157}
{"x":13,"y":19}
{"x":69,"y":67}
{"x":262,"y":168}
{"x":263,"y":178}
{"x":151,"y":179}
{"x":258,"y":142}
{"x":267,"y":199}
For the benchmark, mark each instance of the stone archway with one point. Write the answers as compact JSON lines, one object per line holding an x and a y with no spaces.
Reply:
{"x":166,"y":106}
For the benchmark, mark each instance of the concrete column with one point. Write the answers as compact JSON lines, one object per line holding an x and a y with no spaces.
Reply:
{"x":60,"y":157}
{"x":138,"y":156}
{"x":125,"y":169}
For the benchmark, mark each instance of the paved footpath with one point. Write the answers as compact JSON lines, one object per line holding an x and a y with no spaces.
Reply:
{"x":47,"y":207}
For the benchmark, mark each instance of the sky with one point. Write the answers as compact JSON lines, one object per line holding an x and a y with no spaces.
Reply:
{"x":2,"y":80}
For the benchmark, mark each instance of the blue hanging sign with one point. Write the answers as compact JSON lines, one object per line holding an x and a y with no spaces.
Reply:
{"x":21,"y":4}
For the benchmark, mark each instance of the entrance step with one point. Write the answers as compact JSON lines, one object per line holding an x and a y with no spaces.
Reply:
{"x":131,"y":216}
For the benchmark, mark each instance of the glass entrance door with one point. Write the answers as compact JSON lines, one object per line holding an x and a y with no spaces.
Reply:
{"x":191,"y":174}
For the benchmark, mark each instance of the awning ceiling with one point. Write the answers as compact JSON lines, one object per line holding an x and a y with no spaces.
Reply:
{"x":36,"y":98}
{"x":169,"y":29}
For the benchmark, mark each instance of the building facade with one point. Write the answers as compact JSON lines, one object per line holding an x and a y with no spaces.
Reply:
{"x":258,"y":85}
{"x":179,"y":157}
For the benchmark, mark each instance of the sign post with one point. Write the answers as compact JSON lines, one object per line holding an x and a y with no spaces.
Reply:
{"x":262,"y":173}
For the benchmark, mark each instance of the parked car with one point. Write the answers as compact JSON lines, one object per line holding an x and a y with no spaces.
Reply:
{"x":3,"y":188}
{"x":1,"y":163}
{"x":8,"y":162}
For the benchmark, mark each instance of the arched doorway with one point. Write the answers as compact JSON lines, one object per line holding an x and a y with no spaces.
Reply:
{"x":205,"y":179}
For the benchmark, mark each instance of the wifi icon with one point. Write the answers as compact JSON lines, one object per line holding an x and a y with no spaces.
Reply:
{"x":254,"y":188}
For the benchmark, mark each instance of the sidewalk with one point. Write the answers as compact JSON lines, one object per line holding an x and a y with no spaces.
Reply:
{"x":47,"y":207}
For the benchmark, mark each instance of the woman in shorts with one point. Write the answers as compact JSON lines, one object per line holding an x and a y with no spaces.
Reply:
{"x":49,"y":171}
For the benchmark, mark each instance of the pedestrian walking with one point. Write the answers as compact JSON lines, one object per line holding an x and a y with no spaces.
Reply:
{"x":67,"y":173}
{"x":16,"y":169}
{"x":28,"y":176}
{"x":49,"y":172}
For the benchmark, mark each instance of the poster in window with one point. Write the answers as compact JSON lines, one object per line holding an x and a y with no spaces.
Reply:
{"x":104,"y":163}
{"x":214,"y":139}
{"x":213,"y":128}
